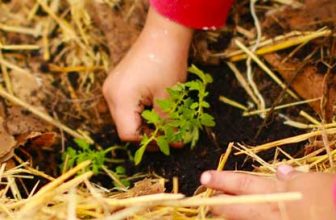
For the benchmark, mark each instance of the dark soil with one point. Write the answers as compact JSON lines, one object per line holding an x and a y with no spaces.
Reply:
{"x":187,"y":164}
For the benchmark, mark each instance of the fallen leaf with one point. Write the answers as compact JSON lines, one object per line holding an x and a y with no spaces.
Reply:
{"x":37,"y":139}
{"x":309,"y":83}
{"x":7,"y":143}
{"x":311,"y":16}
{"x":27,"y":87}
{"x":20,"y":121}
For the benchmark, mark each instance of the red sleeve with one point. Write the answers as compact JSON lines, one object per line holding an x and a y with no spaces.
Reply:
{"x":197,"y":14}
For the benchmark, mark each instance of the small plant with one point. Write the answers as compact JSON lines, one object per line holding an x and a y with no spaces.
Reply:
{"x":120,"y":171}
{"x":72,"y":157}
{"x":185,"y":115}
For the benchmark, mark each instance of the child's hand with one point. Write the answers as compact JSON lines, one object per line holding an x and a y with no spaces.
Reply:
{"x":316,"y":188}
{"x":156,"y":61}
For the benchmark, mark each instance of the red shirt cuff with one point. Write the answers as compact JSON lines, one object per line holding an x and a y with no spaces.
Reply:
{"x":198,"y":14}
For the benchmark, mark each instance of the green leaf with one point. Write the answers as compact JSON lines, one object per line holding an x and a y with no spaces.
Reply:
{"x":173,"y":93}
{"x":205,"y":104}
{"x":207,"y":120}
{"x":82,"y":143}
{"x":139,"y":154}
{"x":195,"y":137}
{"x":145,"y":140}
{"x":163,"y":145}
{"x":120,"y":170}
{"x":193,"y":69}
{"x":70,"y":156}
{"x":95,"y":169}
{"x":151,"y":117}
{"x":81,"y":158}
{"x":187,"y":137}
{"x":71,"y":152}
{"x":165,"y":105}
{"x":125,"y":182}
{"x":178,"y":87}
{"x":175,"y":123}
{"x":194,"y":85}
{"x":194,"y":105}
{"x":208,"y":78}
{"x":169,"y":132}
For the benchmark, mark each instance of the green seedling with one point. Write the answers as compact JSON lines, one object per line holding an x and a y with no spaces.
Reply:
{"x":185,"y":116}
{"x":72,"y":157}
{"x":121,"y":172}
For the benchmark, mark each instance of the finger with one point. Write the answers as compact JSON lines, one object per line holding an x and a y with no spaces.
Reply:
{"x":240,"y":211}
{"x":286,"y":172}
{"x":244,"y":211}
{"x":237,"y":183}
{"x":126,"y":115}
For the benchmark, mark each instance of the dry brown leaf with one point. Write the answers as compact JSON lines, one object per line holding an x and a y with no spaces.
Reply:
{"x":37,"y":139}
{"x":7,"y":142}
{"x":27,"y":87}
{"x":309,"y":83}
{"x":20,"y":121}
{"x":306,"y":18}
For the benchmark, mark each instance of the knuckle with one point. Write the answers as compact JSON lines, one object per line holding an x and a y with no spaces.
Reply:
{"x":110,"y":89}
{"x":127,"y":136}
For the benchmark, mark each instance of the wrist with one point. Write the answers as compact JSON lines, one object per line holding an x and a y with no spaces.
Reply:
{"x":163,"y":32}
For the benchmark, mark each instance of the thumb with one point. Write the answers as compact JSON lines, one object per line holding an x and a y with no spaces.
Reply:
{"x":286,"y":172}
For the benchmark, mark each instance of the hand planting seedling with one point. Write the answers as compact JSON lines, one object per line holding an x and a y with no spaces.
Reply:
{"x":185,"y":115}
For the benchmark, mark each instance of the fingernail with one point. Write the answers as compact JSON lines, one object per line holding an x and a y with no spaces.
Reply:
{"x":285,"y":169}
{"x":205,"y":178}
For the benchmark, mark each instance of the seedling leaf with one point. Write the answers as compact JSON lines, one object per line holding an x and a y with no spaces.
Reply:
{"x":84,"y":153}
{"x":139,"y":154}
{"x":163,"y":145}
{"x":207,"y":120}
{"x":165,"y":105}
{"x":120,"y":170}
{"x":150,"y":116}
{"x":82,"y":143}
